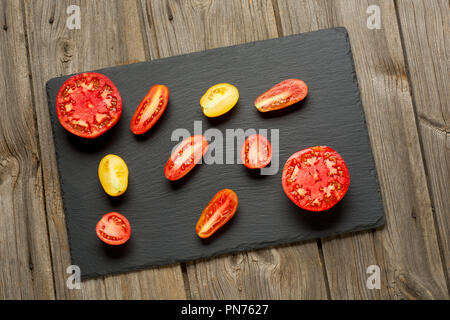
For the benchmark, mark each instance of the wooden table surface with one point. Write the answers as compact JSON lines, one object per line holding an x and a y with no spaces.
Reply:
{"x":403,"y":75}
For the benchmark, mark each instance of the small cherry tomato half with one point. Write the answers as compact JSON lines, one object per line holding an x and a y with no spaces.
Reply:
{"x":218,"y":212}
{"x":88,"y":105}
{"x":219,"y":99}
{"x":282,"y":95}
{"x":113,"y":175}
{"x":316,"y":178}
{"x":186,"y":155}
{"x":256,"y":152}
{"x":113,"y":228}
{"x":150,"y":109}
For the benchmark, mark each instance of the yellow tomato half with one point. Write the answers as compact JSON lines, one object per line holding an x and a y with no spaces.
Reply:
{"x":219,"y":99}
{"x":113,"y":175}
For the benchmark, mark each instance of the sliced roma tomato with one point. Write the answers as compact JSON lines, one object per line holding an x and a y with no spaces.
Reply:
{"x":256,"y":152}
{"x":282,"y":95}
{"x":186,"y":155}
{"x":219,"y":99}
{"x":113,"y":228}
{"x":218,"y":212}
{"x":150,"y":109}
{"x":113,"y":175}
{"x":316,"y":178}
{"x":88,"y":104}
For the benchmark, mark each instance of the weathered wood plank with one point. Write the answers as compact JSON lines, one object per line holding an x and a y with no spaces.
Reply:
{"x":424,"y":25}
{"x":291,"y":272}
{"x":25,"y":265}
{"x":110,"y":34}
{"x":409,"y":232}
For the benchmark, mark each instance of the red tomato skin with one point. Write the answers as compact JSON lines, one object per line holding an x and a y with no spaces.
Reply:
{"x":175,"y":172}
{"x":157,"y":92}
{"x":297,"y":89}
{"x":110,"y":241}
{"x":225,"y":196}
{"x":343,"y":180}
{"x":104,"y":80}
{"x":261,"y":163}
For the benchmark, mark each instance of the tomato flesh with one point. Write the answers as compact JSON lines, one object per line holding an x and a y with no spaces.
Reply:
{"x":282,"y":95}
{"x":218,"y":212}
{"x":186,"y":155}
{"x":88,"y":105}
{"x":256,"y":152}
{"x":316,"y":178}
{"x":113,"y":228}
{"x":150,"y":109}
{"x":219,"y":99}
{"x":113,"y":175}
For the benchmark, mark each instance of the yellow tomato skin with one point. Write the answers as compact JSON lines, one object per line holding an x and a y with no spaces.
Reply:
{"x":113,"y":175}
{"x":219,"y":99}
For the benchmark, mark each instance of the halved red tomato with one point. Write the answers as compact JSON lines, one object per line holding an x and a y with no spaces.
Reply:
{"x":218,"y":212}
{"x":315,"y":178}
{"x":256,"y":152}
{"x":113,"y":228}
{"x":188,"y":153}
{"x":88,"y":104}
{"x":150,"y":109}
{"x":282,"y":95}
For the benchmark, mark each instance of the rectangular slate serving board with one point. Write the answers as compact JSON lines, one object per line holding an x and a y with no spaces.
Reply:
{"x":163,"y":214}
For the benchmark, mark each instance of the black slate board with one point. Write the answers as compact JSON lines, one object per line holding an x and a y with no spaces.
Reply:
{"x":163,"y":214}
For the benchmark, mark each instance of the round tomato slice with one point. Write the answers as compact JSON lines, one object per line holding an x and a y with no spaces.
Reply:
{"x":316,"y":178}
{"x":219,"y":99}
{"x":150,"y":109}
{"x":186,"y":155}
{"x":88,"y":105}
{"x":282,"y":95}
{"x":256,"y":152}
{"x":113,"y":175}
{"x":218,"y":212}
{"x":113,"y":228}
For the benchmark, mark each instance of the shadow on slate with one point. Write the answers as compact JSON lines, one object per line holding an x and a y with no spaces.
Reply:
{"x":163,"y":214}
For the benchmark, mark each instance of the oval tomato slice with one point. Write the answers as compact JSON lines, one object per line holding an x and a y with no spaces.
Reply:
{"x":256,"y":152}
{"x":150,"y":109}
{"x":315,"y":178}
{"x":282,"y":95}
{"x":88,"y":104}
{"x":113,"y":175}
{"x":219,"y":99}
{"x":186,"y":155}
{"x":113,"y":228}
{"x":218,"y":212}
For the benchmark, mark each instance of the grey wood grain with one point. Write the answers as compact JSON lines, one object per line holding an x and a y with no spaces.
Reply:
{"x":25,"y":265}
{"x":410,"y":230}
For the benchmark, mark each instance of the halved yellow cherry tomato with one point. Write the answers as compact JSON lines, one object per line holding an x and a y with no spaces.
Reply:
{"x":113,"y":175}
{"x":219,"y":99}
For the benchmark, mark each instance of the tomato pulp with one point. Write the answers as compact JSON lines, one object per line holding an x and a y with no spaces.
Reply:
{"x":315,"y":178}
{"x":88,"y":105}
{"x":256,"y":152}
{"x":282,"y":95}
{"x":114,"y":229}
{"x":219,"y":99}
{"x":150,"y":109}
{"x":218,"y":212}
{"x":186,"y":155}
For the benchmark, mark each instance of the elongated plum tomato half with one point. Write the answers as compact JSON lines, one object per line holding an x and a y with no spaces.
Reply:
{"x":113,"y":175}
{"x":256,"y":152}
{"x":218,"y":212}
{"x":282,"y":95}
{"x":150,"y":109}
{"x":88,"y":105}
{"x":316,"y":178}
{"x":114,"y":229}
{"x":186,"y":155}
{"x":219,"y":99}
